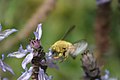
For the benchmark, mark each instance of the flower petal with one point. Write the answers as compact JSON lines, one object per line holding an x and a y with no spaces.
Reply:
{"x":2,"y":65}
{"x":50,"y":61}
{"x":5,"y":79}
{"x":38,"y":32}
{"x":9,"y":31}
{"x":0,"y":27}
{"x":43,"y":76}
{"x":107,"y":76}
{"x":5,"y":67}
{"x":26,"y":75}
{"x":18,"y":54}
{"x":8,"y":68}
{"x":6,"y":33}
{"x":27,"y":60}
{"x":1,"y":37}
{"x":98,"y":2}
{"x":21,"y":48}
{"x":3,"y":56}
{"x":29,"y":48}
{"x":36,"y":35}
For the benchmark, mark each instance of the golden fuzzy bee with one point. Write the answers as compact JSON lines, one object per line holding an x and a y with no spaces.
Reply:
{"x":61,"y":49}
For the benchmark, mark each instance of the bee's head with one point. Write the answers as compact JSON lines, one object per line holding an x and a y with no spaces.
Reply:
{"x":56,"y":53}
{"x":59,"y":56}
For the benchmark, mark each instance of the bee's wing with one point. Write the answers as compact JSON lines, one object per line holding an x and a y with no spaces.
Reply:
{"x":80,"y":47}
{"x":67,"y":32}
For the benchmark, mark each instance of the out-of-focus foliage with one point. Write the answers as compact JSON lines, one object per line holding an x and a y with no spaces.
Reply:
{"x":15,"y":13}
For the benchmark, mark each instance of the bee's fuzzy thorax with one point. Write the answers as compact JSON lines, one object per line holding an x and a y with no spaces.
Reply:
{"x":60,"y":45}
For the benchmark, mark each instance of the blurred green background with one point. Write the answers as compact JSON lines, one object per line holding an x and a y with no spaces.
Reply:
{"x":82,"y":13}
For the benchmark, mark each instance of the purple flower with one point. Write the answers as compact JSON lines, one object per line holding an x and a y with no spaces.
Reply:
{"x":27,"y":60}
{"x":5,"y":79}
{"x":50,"y":61}
{"x":43,"y":76}
{"x":26,"y":75}
{"x":36,"y":43}
{"x":0,"y":27}
{"x":5,"y":67}
{"x":21,"y":52}
{"x":1,"y":78}
{"x":33,"y":44}
{"x":5,"y":33}
{"x":33,"y":50}
{"x":107,"y":76}
{"x":38,"y":32}
{"x":98,"y":2}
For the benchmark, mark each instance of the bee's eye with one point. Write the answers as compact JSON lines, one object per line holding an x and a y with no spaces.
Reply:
{"x":54,"y":53}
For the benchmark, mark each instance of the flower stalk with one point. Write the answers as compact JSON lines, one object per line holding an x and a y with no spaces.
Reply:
{"x":38,"y":56}
{"x":90,"y":66}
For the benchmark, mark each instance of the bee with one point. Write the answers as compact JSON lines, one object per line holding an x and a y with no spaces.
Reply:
{"x":62,"y":49}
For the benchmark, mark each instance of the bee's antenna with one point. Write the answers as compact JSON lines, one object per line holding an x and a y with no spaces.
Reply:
{"x":68,"y":31}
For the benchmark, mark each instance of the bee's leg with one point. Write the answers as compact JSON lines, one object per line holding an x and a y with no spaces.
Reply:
{"x":56,"y":57}
{"x":62,"y":59}
{"x":73,"y":56}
